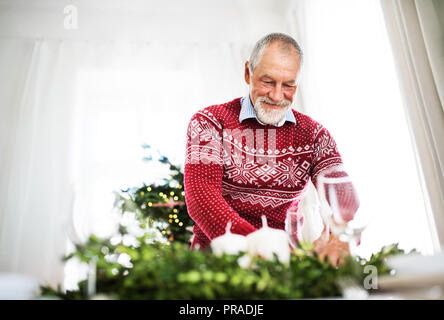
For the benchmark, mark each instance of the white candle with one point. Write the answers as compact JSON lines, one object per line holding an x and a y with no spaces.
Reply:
{"x":229,"y":243}
{"x":267,"y":241}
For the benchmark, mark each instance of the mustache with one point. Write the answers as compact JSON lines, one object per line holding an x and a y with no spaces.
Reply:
{"x":284,"y":103}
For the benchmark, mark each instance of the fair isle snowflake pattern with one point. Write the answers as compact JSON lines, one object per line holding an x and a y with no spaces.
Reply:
{"x":325,"y":145}
{"x":262,"y":197}
{"x":325,"y":153}
{"x":286,"y":172}
{"x":204,"y":142}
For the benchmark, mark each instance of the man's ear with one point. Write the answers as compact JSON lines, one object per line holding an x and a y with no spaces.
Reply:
{"x":247,"y":73}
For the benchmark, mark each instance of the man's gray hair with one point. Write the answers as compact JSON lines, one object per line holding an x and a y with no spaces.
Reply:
{"x":285,"y":40}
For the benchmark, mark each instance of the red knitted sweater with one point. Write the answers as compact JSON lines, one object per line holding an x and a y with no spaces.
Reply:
{"x":240,"y":171}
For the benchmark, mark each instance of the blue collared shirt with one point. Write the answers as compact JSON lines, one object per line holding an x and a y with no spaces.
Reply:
{"x":247,"y":111}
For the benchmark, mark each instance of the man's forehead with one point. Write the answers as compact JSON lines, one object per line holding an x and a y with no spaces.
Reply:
{"x":276,"y":49}
{"x":278,"y":59}
{"x":282,"y":68}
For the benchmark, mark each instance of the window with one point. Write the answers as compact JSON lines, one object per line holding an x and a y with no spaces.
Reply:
{"x":349,"y":85}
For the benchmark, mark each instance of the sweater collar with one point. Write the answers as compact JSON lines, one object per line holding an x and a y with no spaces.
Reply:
{"x":247,"y":112}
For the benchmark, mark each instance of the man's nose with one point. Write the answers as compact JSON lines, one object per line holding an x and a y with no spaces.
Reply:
{"x":276,"y":94}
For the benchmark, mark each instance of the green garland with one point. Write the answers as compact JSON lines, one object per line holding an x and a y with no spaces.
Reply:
{"x":169,"y":269}
{"x":173,"y":271}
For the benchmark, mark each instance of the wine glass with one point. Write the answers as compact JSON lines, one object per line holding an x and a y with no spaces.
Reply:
{"x":293,"y":225}
{"x":339,"y":208}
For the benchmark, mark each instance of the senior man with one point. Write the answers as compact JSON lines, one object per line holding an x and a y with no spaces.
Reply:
{"x":255,"y":155}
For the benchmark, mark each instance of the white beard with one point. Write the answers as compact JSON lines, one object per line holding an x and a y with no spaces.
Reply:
{"x":268,"y":115}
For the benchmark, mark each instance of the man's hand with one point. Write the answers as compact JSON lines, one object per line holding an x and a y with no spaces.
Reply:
{"x":330,"y":245}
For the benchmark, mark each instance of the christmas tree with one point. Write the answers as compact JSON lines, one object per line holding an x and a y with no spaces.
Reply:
{"x":162,"y":205}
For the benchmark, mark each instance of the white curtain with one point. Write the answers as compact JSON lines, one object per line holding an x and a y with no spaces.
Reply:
{"x":35,"y":193}
{"x":416,"y":31}
{"x":77,"y":105}
{"x":349,"y":84}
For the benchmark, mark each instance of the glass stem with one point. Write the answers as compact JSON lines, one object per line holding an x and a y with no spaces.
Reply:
{"x":353,"y":245}
{"x":91,"y":283}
